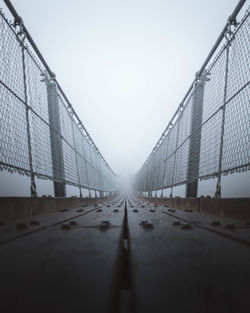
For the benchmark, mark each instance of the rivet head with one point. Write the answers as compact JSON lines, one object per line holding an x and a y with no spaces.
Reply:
{"x":176,"y":223}
{"x":186,"y":226}
{"x":63,"y":210}
{"x":230,"y":226}
{"x":79,"y":210}
{"x":104,"y":224}
{"x":65,"y":226}
{"x":146,"y":224}
{"x":171,"y":210}
{"x":35,"y":223}
{"x":215,"y":223}
{"x":21,"y":226}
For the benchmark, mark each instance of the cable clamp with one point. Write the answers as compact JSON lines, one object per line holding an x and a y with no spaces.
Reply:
{"x":228,"y":34}
{"x":21,"y":35}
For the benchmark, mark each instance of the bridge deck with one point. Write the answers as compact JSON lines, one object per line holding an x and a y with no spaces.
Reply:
{"x":104,"y":259}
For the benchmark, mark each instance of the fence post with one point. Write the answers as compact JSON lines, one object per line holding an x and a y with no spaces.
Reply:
{"x":77,"y":167}
{"x":218,"y":185}
{"x":56,"y":140}
{"x":32,"y":175}
{"x":165,"y":163}
{"x":175,"y":155}
{"x":195,"y":136}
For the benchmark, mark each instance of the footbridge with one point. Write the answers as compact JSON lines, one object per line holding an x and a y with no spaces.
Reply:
{"x":107,"y":250}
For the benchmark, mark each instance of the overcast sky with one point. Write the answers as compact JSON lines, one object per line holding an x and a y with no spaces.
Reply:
{"x":125,"y":65}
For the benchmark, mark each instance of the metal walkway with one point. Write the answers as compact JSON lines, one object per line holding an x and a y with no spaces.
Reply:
{"x":124,"y":255}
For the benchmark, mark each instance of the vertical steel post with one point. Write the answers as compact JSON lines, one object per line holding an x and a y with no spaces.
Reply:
{"x":56,"y":140}
{"x":195,"y":137}
{"x":77,"y":167}
{"x":218,"y":185}
{"x":150,"y":179}
{"x":175,"y":155}
{"x":32,"y":175}
{"x":165,"y":164}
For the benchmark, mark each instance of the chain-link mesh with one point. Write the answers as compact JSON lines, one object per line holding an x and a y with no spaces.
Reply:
{"x":209,"y":136}
{"x":40,"y":134}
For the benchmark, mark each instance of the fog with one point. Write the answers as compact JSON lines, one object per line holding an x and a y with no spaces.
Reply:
{"x":125,"y":66}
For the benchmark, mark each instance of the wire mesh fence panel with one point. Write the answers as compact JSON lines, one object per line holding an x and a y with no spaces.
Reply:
{"x":14,"y":153}
{"x":210,"y":146}
{"x":69,"y":162}
{"x":65,"y":122}
{"x":185,"y":122}
{"x":169,"y":171}
{"x":239,"y":58}
{"x":209,"y":134}
{"x":41,"y":147}
{"x":215,"y":86}
{"x":40,"y":132}
{"x":11,"y":65}
{"x":236,"y":151}
{"x":181,"y":165}
{"x":37,"y":94}
{"x":172,"y":143}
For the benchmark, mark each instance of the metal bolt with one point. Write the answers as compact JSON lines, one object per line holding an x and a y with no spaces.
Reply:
{"x":186,"y":226}
{"x":146,"y":224}
{"x":171,"y":210}
{"x":63,"y":210}
{"x":216,"y":223}
{"x":79,"y":210}
{"x":35,"y":223}
{"x":21,"y":225}
{"x":104,"y":224}
{"x":176,"y":223}
{"x":230,"y":226}
{"x":135,"y":211}
{"x":116,"y":210}
{"x":65,"y":226}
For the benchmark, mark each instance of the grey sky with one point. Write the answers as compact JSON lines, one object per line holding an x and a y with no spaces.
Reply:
{"x":125,"y":65}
